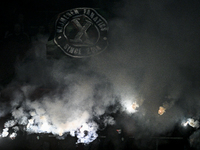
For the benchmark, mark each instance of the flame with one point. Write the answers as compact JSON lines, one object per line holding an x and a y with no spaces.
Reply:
{"x":135,"y":106}
{"x":161,"y":110}
{"x":60,"y":132}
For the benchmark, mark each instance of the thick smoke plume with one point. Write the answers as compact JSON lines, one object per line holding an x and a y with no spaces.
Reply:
{"x":74,"y":95}
{"x":151,"y":62}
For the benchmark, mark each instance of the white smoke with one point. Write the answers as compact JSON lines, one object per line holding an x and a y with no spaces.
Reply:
{"x":76,"y":97}
{"x":148,"y":57}
{"x":5,"y":132}
{"x":191,"y":122}
{"x":108,"y":120}
{"x":10,"y":123}
{"x":87,"y":133}
{"x":13,"y":135}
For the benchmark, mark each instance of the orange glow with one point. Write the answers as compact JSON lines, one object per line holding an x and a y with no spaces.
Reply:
{"x":134,"y":106}
{"x":161,"y":110}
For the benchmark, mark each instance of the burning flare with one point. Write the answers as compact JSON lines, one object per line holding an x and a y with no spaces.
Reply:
{"x":161,"y":110}
{"x":131,"y":107}
{"x":135,"y":106}
{"x":191,"y":122}
{"x":166,"y":105}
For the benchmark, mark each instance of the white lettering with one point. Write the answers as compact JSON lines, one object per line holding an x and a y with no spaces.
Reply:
{"x":63,"y":20}
{"x":66,"y":46}
{"x":68,"y":14}
{"x":66,"y":17}
{"x":98,"y":21}
{"x":91,"y":15}
{"x":95,"y":19}
{"x":76,"y":11}
{"x":71,"y":50}
{"x":77,"y":51}
{"x":59,"y":30}
{"x":61,"y":23}
{"x":88,"y":12}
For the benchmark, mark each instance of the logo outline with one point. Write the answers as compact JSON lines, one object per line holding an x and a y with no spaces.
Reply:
{"x":85,"y":23}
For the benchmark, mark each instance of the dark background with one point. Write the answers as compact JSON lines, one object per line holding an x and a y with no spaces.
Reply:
{"x":41,"y":12}
{"x":175,"y":22}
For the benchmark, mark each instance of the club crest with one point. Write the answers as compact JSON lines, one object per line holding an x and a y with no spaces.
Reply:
{"x":81,"y":32}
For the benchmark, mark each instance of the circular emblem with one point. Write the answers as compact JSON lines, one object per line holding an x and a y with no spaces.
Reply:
{"x":81,"y":32}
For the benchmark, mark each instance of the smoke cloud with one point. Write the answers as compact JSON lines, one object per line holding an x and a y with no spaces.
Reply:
{"x":152,"y":61}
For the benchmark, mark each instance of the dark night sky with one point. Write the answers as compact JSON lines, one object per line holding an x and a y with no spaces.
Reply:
{"x":37,"y":11}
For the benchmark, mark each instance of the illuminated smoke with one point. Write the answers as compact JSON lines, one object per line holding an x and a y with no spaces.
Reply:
{"x":191,"y":122}
{"x":10,"y":123}
{"x":67,"y":111}
{"x":5,"y":132}
{"x":128,"y":100}
{"x":40,"y":122}
{"x":13,"y":135}
{"x":108,"y":120}
{"x":130,"y":107}
{"x":148,"y":56}
{"x":87,"y":133}
{"x":134,"y":106}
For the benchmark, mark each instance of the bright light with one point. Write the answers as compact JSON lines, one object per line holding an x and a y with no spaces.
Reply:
{"x":30,"y":122}
{"x":131,"y":107}
{"x":5,"y":132}
{"x":60,"y":132}
{"x":135,"y":106}
{"x":13,"y":135}
{"x":87,"y":133}
{"x":191,"y":122}
{"x":161,"y":110}
{"x":45,"y":127}
{"x":184,"y":123}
